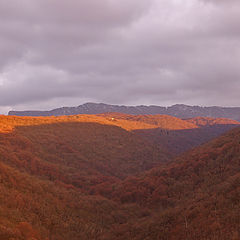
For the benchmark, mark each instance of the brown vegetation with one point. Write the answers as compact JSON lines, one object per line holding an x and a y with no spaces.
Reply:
{"x":110,"y":177}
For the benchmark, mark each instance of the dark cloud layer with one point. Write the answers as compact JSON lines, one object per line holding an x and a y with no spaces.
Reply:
{"x":56,"y":53}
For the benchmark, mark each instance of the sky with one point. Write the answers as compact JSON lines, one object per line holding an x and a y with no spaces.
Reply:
{"x":132,"y":52}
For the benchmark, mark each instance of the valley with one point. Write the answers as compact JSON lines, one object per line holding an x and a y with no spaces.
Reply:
{"x":119,"y":176}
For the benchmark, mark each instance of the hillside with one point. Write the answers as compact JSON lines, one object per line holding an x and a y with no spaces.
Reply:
{"x":50,"y":166}
{"x":178,"y":110}
{"x":157,"y":121}
{"x":33,"y":208}
{"x":80,"y":150}
{"x":177,"y":135}
{"x":207,"y":121}
{"x":104,"y":177}
{"x":172,"y":135}
{"x":194,"y":197}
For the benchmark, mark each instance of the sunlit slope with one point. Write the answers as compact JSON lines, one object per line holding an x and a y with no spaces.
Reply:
{"x":7,"y":123}
{"x":156,"y":121}
{"x":207,"y":121}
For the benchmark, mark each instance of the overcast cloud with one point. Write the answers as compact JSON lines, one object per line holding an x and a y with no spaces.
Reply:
{"x":64,"y":53}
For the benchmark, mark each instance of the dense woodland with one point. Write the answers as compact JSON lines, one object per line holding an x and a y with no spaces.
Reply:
{"x":118,"y":176}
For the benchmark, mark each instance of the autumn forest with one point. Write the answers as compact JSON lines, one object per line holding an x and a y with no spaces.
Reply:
{"x":116,"y":176}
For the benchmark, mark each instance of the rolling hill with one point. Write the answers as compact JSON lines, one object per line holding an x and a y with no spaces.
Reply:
{"x":194,"y":197}
{"x":177,"y":135}
{"x":113,"y":176}
{"x":49,"y":166}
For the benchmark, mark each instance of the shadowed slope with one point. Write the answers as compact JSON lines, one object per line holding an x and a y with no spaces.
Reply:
{"x":178,"y":141}
{"x":33,"y":208}
{"x":81,"y":154}
{"x":176,"y":135}
{"x":195,"y":197}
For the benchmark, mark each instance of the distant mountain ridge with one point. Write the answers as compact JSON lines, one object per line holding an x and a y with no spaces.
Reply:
{"x":178,"y":110}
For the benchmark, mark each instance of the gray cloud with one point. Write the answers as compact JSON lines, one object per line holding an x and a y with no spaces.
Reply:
{"x":56,"y":53}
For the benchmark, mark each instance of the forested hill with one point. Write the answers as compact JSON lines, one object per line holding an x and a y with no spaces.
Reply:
{"x":178,"y":110}
{"x":195,"y":197}
{"x":112,"y":176}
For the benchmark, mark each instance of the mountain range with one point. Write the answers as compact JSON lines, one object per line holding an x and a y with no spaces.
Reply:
{"x":178,"y":110}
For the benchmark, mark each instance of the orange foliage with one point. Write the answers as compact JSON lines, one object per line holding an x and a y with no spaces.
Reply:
{"x":108,"y":176}
{"x":207,"y":121}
